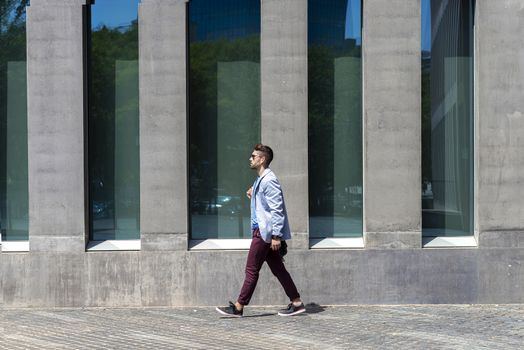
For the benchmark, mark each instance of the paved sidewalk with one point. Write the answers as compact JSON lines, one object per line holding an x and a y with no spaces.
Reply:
{"x":348,"y":327}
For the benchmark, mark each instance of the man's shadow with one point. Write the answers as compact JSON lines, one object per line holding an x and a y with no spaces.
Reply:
{"x":261,"y":315}
{"x":314,"y":308}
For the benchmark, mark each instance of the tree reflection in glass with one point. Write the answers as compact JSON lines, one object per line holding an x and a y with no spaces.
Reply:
{"x":114,"y":186}
{"x":224,"y":114}
{"x":335,"y":118}
{"x":14,"y":221}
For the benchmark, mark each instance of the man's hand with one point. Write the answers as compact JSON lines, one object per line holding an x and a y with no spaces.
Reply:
{"x":249,"y":191}
{"x":275,"y":244}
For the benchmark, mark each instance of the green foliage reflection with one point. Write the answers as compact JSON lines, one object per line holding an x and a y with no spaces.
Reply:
{"x":224,"y":109}
{"x":13,"y":147}
{"x":335,"y":150}
{"x":113,"y":132}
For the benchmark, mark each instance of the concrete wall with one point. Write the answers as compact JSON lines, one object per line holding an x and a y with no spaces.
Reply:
{"x":392,"y":268}
{"x":209,"y":278}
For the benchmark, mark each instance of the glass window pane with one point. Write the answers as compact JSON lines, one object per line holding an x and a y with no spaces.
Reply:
{"x":335,"y":118}
{"x":447,"y":117}
{"x":14,"y":221}
{"x":224,"y":114}
{"x":114,"y":186}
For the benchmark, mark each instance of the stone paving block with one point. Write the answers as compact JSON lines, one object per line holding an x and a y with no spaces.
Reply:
{"x":340,"y":327}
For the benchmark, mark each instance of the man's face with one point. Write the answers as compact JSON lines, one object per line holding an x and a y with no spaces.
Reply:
{"x":256,"y":160}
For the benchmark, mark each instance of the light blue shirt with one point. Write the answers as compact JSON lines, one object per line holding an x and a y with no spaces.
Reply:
{"x":254,"y":223}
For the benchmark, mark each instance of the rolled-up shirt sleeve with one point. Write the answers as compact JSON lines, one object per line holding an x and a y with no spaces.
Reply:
{"x":275,"y":200}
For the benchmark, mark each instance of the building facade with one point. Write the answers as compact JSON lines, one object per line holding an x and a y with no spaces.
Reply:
{"x":396,"y":124}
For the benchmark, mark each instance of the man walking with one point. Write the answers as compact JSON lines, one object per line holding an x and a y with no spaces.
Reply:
{"x":269,"y":226}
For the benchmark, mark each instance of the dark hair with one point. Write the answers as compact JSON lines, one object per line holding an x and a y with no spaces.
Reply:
{"x":266,"y":150}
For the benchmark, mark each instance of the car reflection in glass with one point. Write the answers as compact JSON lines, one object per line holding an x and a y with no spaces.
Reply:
{"x":224,"y":204}
{"x":101,"y":209}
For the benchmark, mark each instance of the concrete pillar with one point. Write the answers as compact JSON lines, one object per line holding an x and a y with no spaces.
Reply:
{"x":392,"y":122}
{"x":500,"y":123}
{"x":163,"y":150}
{"x":284,"y":124}
{"x":55,"y":123}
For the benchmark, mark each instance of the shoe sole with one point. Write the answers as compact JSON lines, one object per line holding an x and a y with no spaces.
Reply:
{"x":292,"y":314}
{"x":226,"y":314}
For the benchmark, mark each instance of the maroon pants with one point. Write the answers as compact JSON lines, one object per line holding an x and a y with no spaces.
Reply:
{"x":259,"y":252}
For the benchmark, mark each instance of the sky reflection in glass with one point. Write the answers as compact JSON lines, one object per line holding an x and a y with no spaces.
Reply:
{"x":335,"y":118}
{"x":114,"y":186}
